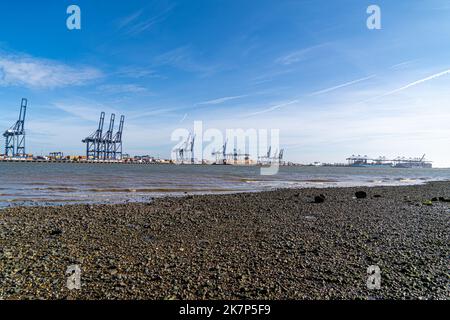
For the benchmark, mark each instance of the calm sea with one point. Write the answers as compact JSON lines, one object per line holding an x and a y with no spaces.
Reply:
{"x":44,"y":184}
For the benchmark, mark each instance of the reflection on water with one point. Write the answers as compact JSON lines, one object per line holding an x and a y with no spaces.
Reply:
{"x":45,"y":183}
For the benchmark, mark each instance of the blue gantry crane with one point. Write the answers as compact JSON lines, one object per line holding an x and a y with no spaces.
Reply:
{"x":117,"y":141}
{"x":191,"y":149}
{"x":15,"y":136}
{"x":106,"y":146}
{"x":94,"y":141}
{"x":107,"y":141}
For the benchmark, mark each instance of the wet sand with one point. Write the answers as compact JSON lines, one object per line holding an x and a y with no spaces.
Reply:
{"x":268,"y":245}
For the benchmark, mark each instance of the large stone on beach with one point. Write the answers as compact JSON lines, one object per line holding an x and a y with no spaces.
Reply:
{"x":319,"y":199}
{"x":361,"y":195}
{"x":56,"y":232}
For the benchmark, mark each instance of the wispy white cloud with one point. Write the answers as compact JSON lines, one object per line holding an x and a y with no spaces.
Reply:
{"x":271,"y":76}
{"x":83,"y":109}
{"x":137,"y":22}
{"x":299,"y":55}
{"x":273,"y":108}
{"x":136,"y":72}
{"x":341,"y":86}
{"x":402,"y":64}
{"x":182,"y":58}
{"x":30,"y":72}
{"x":139,"y":115}
{"x":122,"y":88}
{"x":125,"y":21}
{"x":221,"y":100}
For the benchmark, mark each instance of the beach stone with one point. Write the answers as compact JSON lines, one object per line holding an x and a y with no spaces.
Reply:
{"x":56,"y":232}
{"x":320,"y":199}
{"x":361,"y":195}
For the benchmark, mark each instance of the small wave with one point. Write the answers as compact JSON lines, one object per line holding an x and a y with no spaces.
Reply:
{"x":56,"y":189}
{"x":320,"y":181}
{"x":376,"y":181}
{"x":160,"y":190}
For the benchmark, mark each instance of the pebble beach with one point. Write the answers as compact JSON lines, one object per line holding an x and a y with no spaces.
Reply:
{"x":272,"y":245}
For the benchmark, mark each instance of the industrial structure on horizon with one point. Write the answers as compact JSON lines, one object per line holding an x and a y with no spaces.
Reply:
{"x":237,"y":157}
{"x":268,"y":159}
{"x":108,"y":146}
{"x":399,"y":162}
{"x":15,"y":136}
{"x":185,"y":154}
{"x":99,"y":147}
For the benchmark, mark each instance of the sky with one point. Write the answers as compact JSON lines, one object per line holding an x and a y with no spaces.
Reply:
{"x":311,"y":69}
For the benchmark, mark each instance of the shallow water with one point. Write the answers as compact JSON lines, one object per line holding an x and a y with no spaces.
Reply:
{"x":58,"y":183}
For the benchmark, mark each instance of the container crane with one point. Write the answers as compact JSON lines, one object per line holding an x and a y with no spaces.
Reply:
{"x":15,"y":136}
{"x":107,"y":141}
{"x":117,"y":141}
{"x":94,"y":141}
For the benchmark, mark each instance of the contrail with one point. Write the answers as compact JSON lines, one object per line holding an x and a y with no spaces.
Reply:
{"x":341,"y":86}
{"x":412,"y":84}
{"x":278,"y":106}
{"x":415,"y":83}
{"x":221,"y":100}
{"x":402,"y":64}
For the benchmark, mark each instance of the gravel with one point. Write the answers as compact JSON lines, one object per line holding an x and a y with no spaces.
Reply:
{"x":270,"y":245}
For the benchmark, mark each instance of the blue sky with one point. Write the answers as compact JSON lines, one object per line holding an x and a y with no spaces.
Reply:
{"x":310,"y":68}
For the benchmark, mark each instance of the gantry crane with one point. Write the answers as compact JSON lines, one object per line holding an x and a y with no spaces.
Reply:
{"x":94,"y":141}
{"x":117,"y":141}
{"x":278,"y":156}
{"x":222,"y":154}
{"x":187,"y":149}
{"x":267,"y":158}
{"x":191,"y":149}
{"x":281,"y":156}
{"x":107,"y":141}
{"x":15,"y":136}
{"x":106,"y":146}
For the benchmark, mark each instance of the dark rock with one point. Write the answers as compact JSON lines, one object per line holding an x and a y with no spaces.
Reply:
{"x":56,"y":232}
{"x":435,"y":199}
{"x":378,"y":196}
{"x":319,"y":199}
{"x":361,"y":195}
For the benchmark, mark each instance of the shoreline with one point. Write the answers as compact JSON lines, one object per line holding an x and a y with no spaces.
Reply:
{"x":255,"y":245}
{"x":148,"y":196}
